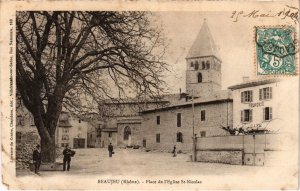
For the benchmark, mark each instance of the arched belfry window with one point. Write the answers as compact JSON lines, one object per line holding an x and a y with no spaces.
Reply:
{"x":203,"y":65}
{"x":127,"y":132}
{"x":199,"y":77}
{"x":192,"y":64}
{"x":207,"y":64}
{"x":196,"y":65}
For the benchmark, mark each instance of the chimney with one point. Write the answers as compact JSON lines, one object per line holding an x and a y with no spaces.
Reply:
{"x":245,"y":78}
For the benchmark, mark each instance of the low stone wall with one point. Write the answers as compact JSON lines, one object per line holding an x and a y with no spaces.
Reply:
{"x":24,"y":154}
{"x":220,"y":156}
{"x":25,"y":147}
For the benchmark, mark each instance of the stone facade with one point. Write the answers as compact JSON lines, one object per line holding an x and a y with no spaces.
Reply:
{"x":203,"y":70}
{"x":71,"y":131}
{"x":130,"y":131}
{"x":122,"y":121}
{"x":217,"y":113}
{"x":173,"y":125}
{"x":263,"y":105}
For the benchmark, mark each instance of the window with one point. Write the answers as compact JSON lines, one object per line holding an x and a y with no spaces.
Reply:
{"x":158,"y":138}
{"x":109,"y":134}
{"x":178,"y":119}
{"x":196,"y":65}
{"x":203,"y":115}
{"x":65,"y":130}
{"x":179,"y":137}
{"x":246,"y":96}
{"x":267,"y":113}
{"x":199,"y":77}
{"x":98,"y":131}
{"x":203,"y":65}
{"x":202,"y":133}
{"x":65,"y":137}
{"x":207,"y":64}
{"x":246,"y":115}
{"x":192,"y":64}
{"x":265,"y":93}
{"x":157,"y":120}
{"x":127,"y":132}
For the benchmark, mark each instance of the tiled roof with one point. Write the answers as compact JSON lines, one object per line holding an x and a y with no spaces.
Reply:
{"x":216,"y":97}
{"x":204,"y":44}
{"x":253,"y":83}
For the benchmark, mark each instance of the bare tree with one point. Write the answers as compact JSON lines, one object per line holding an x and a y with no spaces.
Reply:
{"x":63,"y":57}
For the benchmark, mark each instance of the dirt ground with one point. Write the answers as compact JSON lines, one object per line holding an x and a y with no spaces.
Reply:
{"x":89,"y":166}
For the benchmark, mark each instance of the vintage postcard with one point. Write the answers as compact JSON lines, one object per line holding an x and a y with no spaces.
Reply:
{"x":146,"y":95}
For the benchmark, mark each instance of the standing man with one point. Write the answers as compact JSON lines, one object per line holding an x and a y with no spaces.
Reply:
{"x":174,"y":151}
{"x":67,"y":158}
{"x":37,"y":158}
{"x":110,"y":149}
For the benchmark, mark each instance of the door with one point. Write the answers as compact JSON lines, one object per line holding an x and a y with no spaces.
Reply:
{"x":129,"y":141}
{"x":79,"y":143}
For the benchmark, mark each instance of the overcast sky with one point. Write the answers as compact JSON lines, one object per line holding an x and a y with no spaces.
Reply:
{"x":233,"y":39}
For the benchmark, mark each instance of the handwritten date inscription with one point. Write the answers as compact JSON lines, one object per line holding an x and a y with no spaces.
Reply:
{"x":287,"y":12}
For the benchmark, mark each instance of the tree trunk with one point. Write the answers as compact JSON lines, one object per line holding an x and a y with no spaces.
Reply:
{"x":48,"y":151}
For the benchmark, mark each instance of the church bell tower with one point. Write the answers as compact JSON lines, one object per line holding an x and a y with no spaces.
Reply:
{"x":203,"y":74}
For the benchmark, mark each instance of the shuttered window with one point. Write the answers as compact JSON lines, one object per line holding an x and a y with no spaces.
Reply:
{"x":246,"y":115}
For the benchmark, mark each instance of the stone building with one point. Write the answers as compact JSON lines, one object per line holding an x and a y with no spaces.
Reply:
{"x":71,"y":131}
{"x":257,"y":105}
{"x":203,"y":110}
{"x":122,"y":121}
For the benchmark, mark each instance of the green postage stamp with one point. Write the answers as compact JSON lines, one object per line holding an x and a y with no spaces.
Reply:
{"x":275,"y":50}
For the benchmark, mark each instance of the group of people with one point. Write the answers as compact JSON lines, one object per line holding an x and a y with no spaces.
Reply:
{"x":67,"y":152}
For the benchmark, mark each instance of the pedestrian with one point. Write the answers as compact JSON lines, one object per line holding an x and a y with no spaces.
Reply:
{"x":110,"y":150}
{"x":67,"y":158}
{"x":37,"y":158}
{"x":174,"y":151}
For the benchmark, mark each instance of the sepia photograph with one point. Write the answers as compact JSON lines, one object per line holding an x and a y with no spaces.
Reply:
{"x":206,"y":98}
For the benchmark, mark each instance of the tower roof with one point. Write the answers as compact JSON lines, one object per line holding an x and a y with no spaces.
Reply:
{"x":204,"y":44}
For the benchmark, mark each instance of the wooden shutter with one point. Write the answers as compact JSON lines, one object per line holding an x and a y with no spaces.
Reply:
{"x":242,"y":116}
{"x":260,"y":94}
{"x":242,"y":97}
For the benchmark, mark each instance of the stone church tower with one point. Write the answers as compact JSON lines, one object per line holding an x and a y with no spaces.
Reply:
{"x":203,"y":74}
